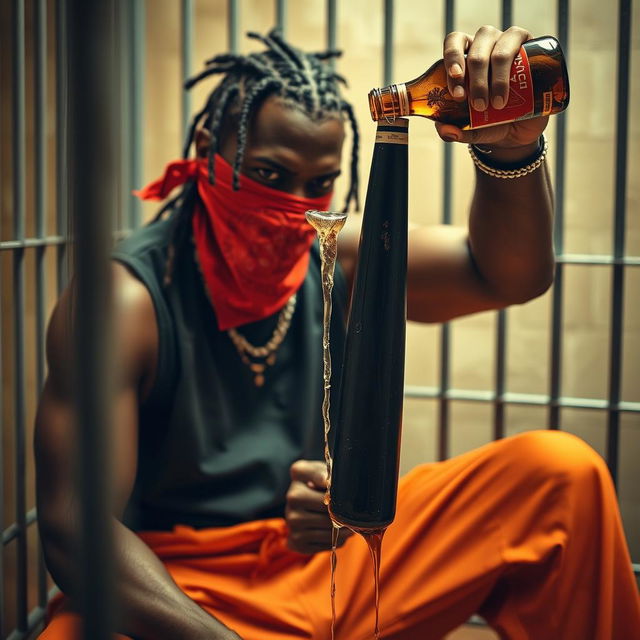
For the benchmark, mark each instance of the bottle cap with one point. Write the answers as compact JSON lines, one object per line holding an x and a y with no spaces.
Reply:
{"x":389,"y":102}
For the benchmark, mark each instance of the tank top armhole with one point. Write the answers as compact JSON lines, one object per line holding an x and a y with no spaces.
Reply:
{"x":163,"y":381}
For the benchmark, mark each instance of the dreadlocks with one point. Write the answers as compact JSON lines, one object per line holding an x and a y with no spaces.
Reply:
{"x":302,"y":80}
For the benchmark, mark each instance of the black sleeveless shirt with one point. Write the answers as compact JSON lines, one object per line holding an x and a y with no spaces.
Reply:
{"x":214,"y":449}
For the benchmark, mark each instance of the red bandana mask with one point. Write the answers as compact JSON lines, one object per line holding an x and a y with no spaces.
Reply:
{"x":252,"y":244}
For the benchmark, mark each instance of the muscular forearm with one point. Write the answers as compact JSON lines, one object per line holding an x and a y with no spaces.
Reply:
{"x":510,"y":230}
{"x":151,"y":605}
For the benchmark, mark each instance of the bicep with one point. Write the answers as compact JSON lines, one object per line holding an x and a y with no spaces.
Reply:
{"x":56,"y":441}
{"x":57,"y":446}
{"x":442,"y":280}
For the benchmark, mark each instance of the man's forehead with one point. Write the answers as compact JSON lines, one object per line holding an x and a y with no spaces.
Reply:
{"x":279,"y":122}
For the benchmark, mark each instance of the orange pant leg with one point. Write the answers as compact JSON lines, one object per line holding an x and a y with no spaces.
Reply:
{"x":241,"y":575}
{"x":64,"y":624}
{"x":525,"y":530}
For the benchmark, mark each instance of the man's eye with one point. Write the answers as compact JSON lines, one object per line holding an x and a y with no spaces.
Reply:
{"x":268,"y":175}
{"x":325,"y":184}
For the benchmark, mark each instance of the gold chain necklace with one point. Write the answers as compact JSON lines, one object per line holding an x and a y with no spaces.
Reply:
{"x":259,"y":358}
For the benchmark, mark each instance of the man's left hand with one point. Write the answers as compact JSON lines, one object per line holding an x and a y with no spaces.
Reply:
{"x":306,"y":514}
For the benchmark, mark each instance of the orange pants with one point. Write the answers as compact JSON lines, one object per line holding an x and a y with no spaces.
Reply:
{"x":524,"y":531}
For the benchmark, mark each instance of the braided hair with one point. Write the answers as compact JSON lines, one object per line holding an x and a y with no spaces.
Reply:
{"x":302,"y":80}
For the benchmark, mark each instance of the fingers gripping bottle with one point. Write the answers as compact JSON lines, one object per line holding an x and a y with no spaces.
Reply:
{"x":538,"y":86}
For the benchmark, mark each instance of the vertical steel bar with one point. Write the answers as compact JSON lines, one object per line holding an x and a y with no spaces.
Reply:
{"x":561,"y":136}
{"x":2,"y":458}
{"x":507,"y":14}
{"x":40,"y":98}
{"x":449,"y":21}
{"x":20,"y":439}
{"x":332,"y":28}
{"x":2,"y":490}
{"x":124,"y":19}
{"x":617,"y":311}
{"x":555,"y":387}
{"x":136,"y":78}
{"x":332,"y":19}
{"x":93,"y":106}
{"x":136,"y":92}
{"x":500,"y":374}
{"x":281,"y":16}
{"x":187,"y":26}
{"x":19,"y":126}
{"x":233,"y":25}
{"x":445,"y":331}
{"x":19,"y":191}
{"x":501,"y":320}
{"x":444,"y":405}
{"x":40,"y":68}
{"x":387,"y":73}
{"x":62,"y":105}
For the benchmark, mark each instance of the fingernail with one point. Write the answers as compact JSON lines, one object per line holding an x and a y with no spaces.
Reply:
{"x":479,"y":104}
{"x":455,"y":70}
{"x":458,"y":92}
{"x":498,"y":102}
{"x":450,"y":137}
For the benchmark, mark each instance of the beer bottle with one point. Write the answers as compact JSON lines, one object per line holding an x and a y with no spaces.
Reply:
{"x":538,"y":86}
{"x":364,"y":478}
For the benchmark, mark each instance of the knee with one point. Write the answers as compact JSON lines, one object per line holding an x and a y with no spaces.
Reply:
{"x":556,"y":455}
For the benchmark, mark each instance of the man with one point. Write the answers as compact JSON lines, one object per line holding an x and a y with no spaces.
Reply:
{"x":220,"y":527}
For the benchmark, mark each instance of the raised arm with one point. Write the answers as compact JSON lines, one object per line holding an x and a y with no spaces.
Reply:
{"x":152,"y":604}
{"x":504,"y":255}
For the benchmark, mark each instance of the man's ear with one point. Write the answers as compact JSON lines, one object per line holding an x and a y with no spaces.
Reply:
{"x":203,"y":139}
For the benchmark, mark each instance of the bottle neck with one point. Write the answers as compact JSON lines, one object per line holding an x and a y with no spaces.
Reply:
{"x":389,"y":102}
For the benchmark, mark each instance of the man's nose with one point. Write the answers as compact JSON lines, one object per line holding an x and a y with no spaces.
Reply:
{"x":299,"y":190}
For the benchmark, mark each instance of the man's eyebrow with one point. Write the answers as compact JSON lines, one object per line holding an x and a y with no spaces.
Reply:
{"x":331,"y":174}
{"x":273,"y":163}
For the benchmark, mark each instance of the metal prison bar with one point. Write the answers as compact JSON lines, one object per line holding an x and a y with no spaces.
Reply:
{"x":130,"y":36}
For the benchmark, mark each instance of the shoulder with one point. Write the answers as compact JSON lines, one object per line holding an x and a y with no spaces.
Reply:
{"x":142,"y":259}
{"x":135,"y":327}
{"x":135,"y":334}
{"x":132,"y":301}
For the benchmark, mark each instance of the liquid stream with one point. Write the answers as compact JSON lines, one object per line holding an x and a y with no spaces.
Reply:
{"x":328,"y":224}
{"x":373,"y":538}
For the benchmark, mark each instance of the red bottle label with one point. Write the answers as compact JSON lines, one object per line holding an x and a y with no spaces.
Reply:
{"x":520,"y":103}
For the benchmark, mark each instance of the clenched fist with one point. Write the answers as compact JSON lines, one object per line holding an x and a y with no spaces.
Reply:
{"x":306,"y":514}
